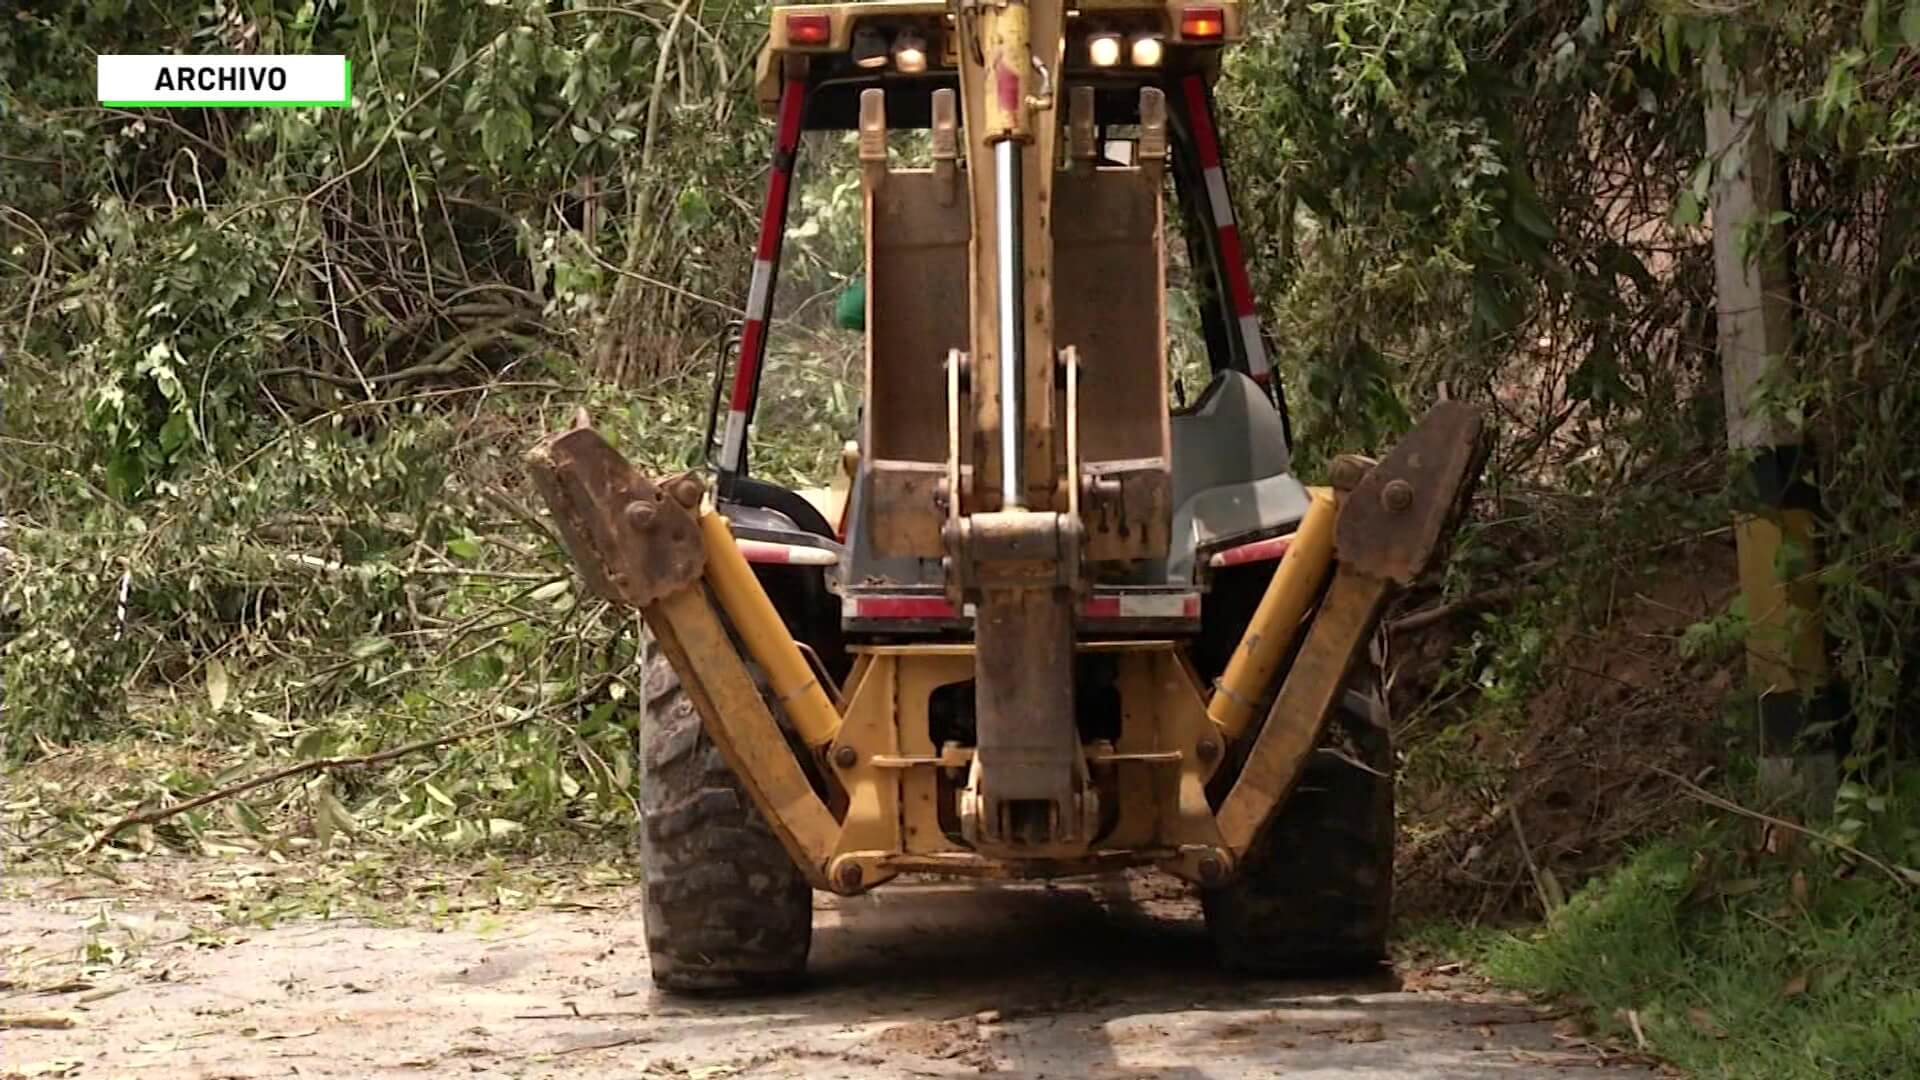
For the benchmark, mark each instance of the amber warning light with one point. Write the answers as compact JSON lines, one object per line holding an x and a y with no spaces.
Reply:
{"x":1202,"y":23}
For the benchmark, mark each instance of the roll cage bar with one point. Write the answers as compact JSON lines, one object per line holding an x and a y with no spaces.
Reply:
{"x":1230,"y":325}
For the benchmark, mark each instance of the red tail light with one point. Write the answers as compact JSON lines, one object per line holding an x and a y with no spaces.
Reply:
{"x":808,"y":29}
{"x":1201,"y":23}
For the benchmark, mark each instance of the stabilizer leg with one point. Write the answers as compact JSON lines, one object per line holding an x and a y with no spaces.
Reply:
{"x":643,"y":546}
{"x":1391,"y":526}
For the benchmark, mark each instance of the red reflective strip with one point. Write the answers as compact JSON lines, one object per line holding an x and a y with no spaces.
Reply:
{"x":1236,"y":262}
{"x":1142,"y":606}
{"x":767,"y":551}
{"x":791,"y":98}
{"x":753,"y":339}
{"x":786,"y":138}
{"x":1205,"y":142}
{"x":1259,"y":551}
{"x":1159,"y":605}
{"x":902,"y":607}
{"x":759,"y":551}
{"x":1151,"y":606}
{"x":773,"y":224}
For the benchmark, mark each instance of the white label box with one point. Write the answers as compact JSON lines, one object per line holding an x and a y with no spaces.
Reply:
{"x":151,"y":81}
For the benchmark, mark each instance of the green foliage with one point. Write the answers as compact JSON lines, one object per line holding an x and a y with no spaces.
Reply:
{"x":268,"y":374}
{"x":1722,"y":636}
{"x":1451,"y":209}
{"x":269,"y":370}
{"x":1736,"y":970}
{"x":1505,"y":203}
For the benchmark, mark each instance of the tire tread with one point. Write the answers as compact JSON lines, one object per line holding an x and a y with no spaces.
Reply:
{"x":724,"y":906}
{"x":1316,"y":897}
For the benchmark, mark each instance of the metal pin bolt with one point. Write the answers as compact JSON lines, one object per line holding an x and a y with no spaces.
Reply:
{"x":845,"y":756}
{"x":1348,"y":470}
{"x":686,"y":490}
{"x":1211,"y":868}
{"x":1397,"y":495}
{"x":848,"y":876}
{"x":1208,"y":750}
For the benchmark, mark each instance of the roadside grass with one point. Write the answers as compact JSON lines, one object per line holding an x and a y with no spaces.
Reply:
{"x":1732,"y":961}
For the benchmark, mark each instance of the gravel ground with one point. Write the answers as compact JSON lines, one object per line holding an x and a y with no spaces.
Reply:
{"x":926,"y":979}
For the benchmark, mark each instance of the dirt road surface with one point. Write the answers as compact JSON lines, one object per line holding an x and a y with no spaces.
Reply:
{"x":929,"y":979}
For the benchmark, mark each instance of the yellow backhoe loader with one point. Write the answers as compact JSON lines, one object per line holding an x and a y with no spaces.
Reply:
{"x":1055,"y":626}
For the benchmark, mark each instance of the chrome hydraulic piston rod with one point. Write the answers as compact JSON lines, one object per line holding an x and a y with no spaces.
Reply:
{"x":1009,"y":264}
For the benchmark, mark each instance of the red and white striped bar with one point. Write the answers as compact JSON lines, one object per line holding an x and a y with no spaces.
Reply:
{"x":899,"y":607}
{"x":1259,"y":551}
{"x":1239,"y":286}
{"x":772,"y":554}
{"x":1142,"y":606}
{"x":1180,"y":605}
{"x":766,"y":259}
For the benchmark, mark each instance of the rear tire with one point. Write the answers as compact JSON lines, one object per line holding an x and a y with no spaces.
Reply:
{"x":725,"y":908}
{"x":1316,"y":895}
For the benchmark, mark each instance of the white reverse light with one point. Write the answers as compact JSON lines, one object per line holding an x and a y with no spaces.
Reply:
{"x":869,"y":48}
{"x":1104,"y":49}
{"x":910,"y":53}
{"x":1147,"y":50}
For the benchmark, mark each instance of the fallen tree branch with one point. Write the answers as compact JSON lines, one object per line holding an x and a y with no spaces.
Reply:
{"x":447,"y":358}
{"x":37,"y":1021}
{"x":492,"y":493}
{"x":1428,"y":616}
{"x":149,"y":817}
{"x":1548,"y":888}
{"x":1500,"y":594}
{"x":1900,"y":875}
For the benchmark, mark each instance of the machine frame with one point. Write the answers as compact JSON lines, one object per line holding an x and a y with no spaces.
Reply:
{"x":985,"y":661}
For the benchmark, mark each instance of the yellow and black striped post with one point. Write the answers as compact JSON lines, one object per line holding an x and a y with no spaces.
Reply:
{"x":1786,"y":641}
